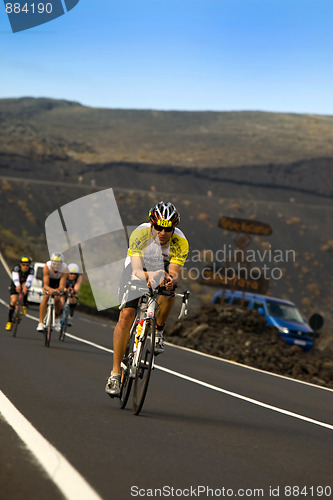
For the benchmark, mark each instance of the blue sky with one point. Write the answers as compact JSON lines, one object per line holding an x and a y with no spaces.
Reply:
{"x":220,"y":55}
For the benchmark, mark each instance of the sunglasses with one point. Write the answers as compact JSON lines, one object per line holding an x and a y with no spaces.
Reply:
{"x":160,"y":228}
{"x":24,"y":264}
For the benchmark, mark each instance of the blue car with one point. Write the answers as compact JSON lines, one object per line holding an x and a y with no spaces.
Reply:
{"x":282,"y":314}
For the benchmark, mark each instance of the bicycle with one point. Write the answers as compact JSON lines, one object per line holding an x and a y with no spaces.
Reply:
{"x":18,"y":313}
{"x":139,"y":357}
{"x":49,"y":319}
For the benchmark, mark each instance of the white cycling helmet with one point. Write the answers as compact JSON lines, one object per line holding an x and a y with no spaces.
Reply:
{"x":164,"y":214}
{"x":56,"y":260}
{"x":73,"y":268}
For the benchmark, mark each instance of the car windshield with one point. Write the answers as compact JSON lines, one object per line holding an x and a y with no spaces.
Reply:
{"x":284,"y":311}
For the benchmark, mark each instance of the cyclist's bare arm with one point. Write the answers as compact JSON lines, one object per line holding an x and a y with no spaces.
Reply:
{"x":46,"y":279}
{"x":77,"y":285}
{"x":153,"y":278}
{"x":62,"y":283}
{"x":172,"y":278}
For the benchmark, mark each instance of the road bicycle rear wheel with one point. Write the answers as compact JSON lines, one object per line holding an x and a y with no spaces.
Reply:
{"x":144,"y":366}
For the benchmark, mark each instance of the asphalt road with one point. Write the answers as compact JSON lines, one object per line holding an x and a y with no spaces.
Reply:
{"x":205,"y":435}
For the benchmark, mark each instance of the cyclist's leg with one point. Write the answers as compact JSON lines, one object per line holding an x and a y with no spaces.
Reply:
{"x":10,"y":313}
{"x":11,"y":309}
{"x":122,"y":330}
{"x":59,"y":303}
{"x":58,"y":306}
{"x":25,"y":299}
{"x":165,"y":306}
{"x":13,"y":300}
{"x":121,"y":336}
{"x":72,"y":305}
{"x":43,"y":307}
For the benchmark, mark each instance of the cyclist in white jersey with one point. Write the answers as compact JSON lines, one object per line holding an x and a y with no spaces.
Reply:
{"x":55,"y":273}
{"x":157,"y":251}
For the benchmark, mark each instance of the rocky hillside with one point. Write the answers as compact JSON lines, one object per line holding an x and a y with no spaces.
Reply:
{"x":47,"y":128}
{"x":240,"y":335}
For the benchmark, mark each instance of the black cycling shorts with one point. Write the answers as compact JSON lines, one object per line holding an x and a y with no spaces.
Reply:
{"x":12,"y":288}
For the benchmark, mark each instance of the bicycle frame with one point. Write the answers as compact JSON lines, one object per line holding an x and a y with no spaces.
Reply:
{"x":17,"y":316}
{"x":49,"y":320}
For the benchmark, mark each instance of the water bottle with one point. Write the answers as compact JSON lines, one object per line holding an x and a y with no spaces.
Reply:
{"x":138,"y":331}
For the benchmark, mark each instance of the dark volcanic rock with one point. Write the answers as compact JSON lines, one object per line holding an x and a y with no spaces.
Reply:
{"x":240,"y":335}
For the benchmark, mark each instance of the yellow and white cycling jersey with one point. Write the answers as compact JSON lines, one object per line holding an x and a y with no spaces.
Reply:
{"x":155,"y":255}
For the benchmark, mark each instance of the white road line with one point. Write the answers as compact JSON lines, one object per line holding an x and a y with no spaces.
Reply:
{"x":88,"y":342}
{"x":219,"y":389}
{"x":62,"y":473}
{"x":4,"y":263}
{"x":245,"y":398}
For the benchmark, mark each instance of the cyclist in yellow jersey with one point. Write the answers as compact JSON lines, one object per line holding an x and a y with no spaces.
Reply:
{"x":157,"y":252}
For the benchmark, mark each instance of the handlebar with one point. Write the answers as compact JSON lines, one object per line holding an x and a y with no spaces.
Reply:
{"x":158,"y":291}
{"x":52,"y":294}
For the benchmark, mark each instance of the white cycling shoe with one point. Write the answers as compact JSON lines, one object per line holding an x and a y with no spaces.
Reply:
{"x":113,"y":386}
{"x":40,"y":327}
{"x":159,"y":343}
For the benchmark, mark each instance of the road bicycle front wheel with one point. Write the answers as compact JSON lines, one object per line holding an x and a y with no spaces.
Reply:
{"x":48,"y":330}
{"x":63,"y":327}
{"x":144,"y":366}
{"x":16,"y":319}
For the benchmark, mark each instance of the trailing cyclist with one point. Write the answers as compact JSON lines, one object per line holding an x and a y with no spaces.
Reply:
{"x":22,"y":276}
{"x":157,"y":252}
{"x":55,"y":273}
{"x":72,"y":287}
